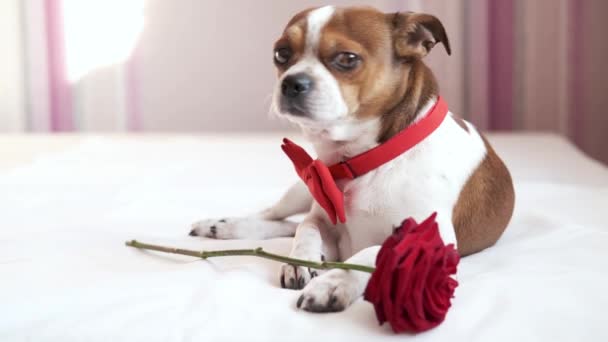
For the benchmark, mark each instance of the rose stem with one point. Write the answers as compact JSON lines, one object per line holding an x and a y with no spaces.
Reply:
{"x":258,"y":252}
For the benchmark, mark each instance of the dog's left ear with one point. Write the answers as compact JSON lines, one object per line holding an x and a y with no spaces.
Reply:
{"x":415,"y":34}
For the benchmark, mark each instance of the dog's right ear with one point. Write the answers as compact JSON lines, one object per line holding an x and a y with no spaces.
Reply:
{"x":415,"y":34}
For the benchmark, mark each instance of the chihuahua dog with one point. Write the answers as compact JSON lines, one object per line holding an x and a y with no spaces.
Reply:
{"x":351,"y":79}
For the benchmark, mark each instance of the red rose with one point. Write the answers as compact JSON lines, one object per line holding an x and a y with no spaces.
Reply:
{"x":411,"y":287}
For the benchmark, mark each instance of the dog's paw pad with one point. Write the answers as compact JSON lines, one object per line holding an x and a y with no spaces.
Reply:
{"x":214,"y":229}
{"x":325,"y":294}
{"x":295,"y":277}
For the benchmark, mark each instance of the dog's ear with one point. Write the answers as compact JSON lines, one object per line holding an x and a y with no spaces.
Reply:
{"x":415,"y":34}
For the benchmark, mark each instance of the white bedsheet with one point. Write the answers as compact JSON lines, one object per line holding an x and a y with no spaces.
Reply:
{"x":65,"y":274}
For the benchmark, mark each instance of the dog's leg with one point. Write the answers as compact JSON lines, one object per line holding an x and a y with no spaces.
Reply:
{"x":312,"y":242}
{"x":296,"y":200}
{"x":336,"y":289}
{"x":264,"y":225}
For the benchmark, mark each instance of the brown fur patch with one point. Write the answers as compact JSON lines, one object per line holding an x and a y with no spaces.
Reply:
{"x":294,"y":38}
{"x":420,"y":88}
{"x":365,"y":32}
{"x":384,"y":85}
{"x":417,"y":33}
{"x":461,"y":123}
{"x":485,"y":205}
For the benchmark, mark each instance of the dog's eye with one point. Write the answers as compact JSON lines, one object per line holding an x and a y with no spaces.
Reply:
{"x":282,"y":55}
{"x":346,"y":61}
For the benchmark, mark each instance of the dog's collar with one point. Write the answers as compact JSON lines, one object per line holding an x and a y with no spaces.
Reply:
{"x":320,"y":178}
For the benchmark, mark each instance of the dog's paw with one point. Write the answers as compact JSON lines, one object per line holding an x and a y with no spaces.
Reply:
{"x":295,"y":277}
{"x":333,"y":291}
{"x":215,"y":229}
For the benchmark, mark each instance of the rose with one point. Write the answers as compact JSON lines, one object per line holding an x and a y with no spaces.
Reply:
{"x":411,"y":287}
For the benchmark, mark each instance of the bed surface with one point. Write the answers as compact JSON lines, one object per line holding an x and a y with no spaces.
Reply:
{"x":68,"y":203}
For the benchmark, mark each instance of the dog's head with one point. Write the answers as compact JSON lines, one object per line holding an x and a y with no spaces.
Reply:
{"x":338,"y":65}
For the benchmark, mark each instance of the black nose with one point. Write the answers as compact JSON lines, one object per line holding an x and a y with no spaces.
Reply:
{"x":295,"y":85}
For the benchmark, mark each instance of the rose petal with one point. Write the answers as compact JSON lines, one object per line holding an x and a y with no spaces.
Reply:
{"x":408,"y":225}
{"x":387,"y":289}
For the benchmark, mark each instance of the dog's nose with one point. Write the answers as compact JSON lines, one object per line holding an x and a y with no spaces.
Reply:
{"x":296,"y":85}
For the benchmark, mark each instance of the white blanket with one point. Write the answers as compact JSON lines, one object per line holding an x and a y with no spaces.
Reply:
{"x":65,"y":274}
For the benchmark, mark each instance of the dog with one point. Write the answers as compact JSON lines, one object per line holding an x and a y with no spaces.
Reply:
{"x":351,"y":79}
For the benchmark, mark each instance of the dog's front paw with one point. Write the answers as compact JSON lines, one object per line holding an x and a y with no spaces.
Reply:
{"x":331,"y":292}
{"x":215,"y":229}
{"x":295,"y":277}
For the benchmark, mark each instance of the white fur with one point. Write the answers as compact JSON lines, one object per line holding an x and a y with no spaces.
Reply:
{"x":266,"y":224}
{"x":316,"y":21}
{"x":243,"y":228}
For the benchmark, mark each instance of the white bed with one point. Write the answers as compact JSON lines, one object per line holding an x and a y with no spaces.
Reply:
{"x":68,"y":203}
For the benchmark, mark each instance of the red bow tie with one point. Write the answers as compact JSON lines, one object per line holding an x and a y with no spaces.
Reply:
{"x":321,"y":180}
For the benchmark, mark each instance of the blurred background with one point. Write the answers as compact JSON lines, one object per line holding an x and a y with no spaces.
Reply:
{"x":206,"y":65}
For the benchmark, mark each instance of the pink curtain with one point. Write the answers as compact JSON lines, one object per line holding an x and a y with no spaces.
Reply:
{"x":533,"y":65}
{"x":60,"y":89}
{"x":527,"y":65}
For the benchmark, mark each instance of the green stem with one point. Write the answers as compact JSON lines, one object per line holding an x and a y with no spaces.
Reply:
{"x":258,"y":252}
